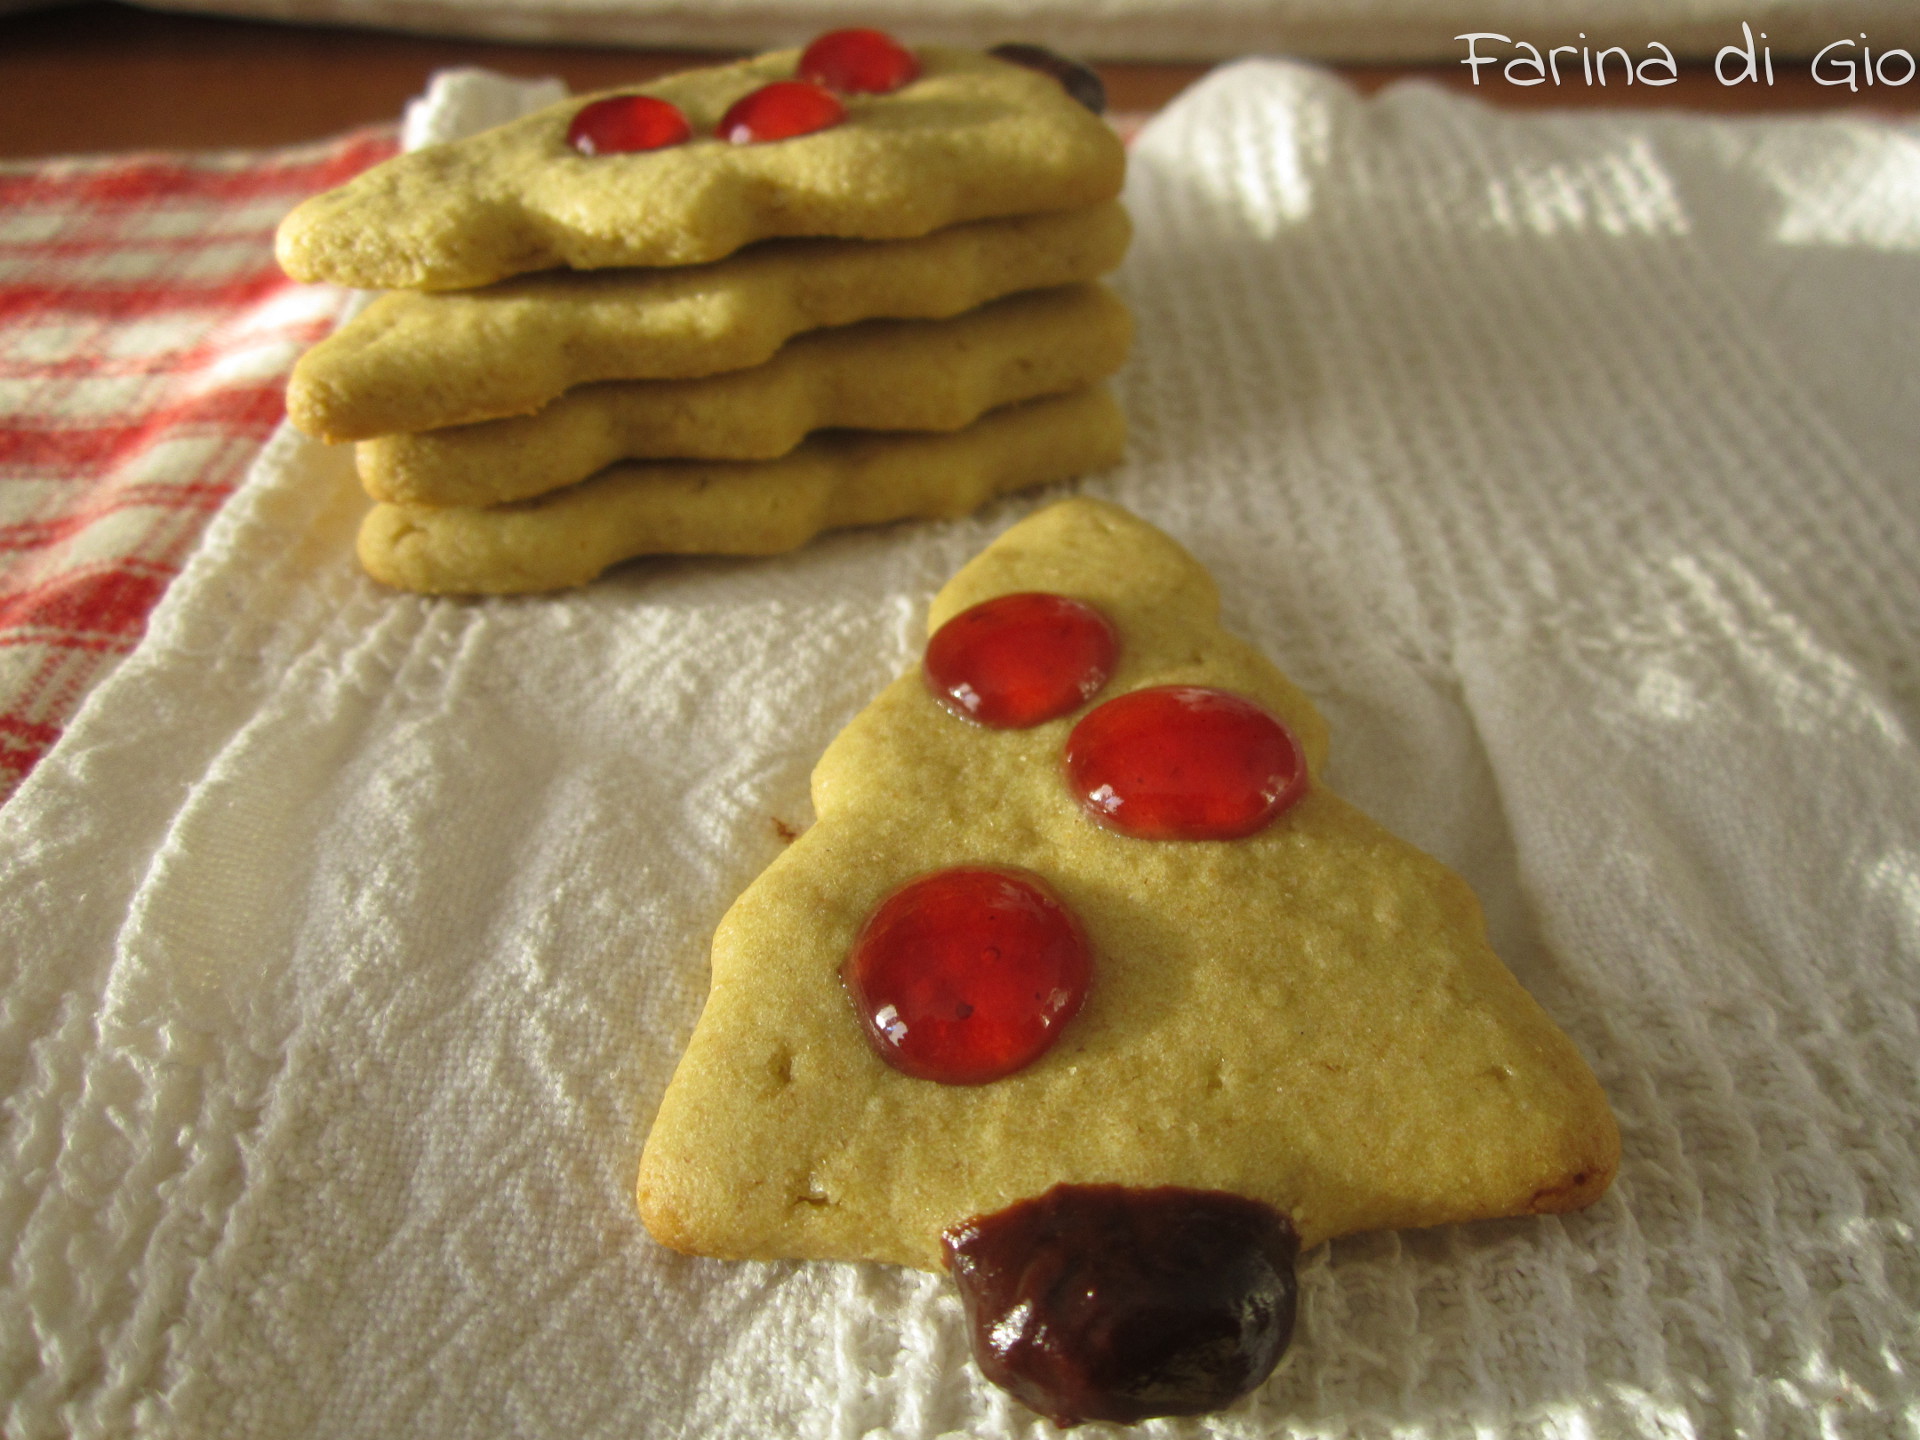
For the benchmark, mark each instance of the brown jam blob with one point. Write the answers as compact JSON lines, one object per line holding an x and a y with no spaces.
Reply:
{"x":1082,"y":82}
{"x":1102,"y":1302}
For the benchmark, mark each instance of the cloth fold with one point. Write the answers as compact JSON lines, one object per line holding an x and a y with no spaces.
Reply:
{"x":352,"y":936}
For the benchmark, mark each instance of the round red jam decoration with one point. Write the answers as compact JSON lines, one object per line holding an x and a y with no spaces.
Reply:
{"x":966,"y":975}
{"x":623,"y":123}
{"x":1180,"y":762}
{"x":1100,"y":1302}
{"x":859,"y":62}
{"x":1017,"y":660}
{"x":780,"y":111}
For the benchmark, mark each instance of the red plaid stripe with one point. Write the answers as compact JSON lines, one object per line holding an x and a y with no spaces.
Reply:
{"x":145,"y":341}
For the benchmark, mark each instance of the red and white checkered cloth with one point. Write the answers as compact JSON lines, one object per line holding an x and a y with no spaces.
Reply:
{"x":146,"y":336}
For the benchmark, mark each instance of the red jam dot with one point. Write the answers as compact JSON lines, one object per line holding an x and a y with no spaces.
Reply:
{"x":859,"y":62}
{"x":1180,"y":762}
{"x":624,"y":123}
{"x":966,"y":975}
{"x":780,"y":111}
{"x":1018,"y":660}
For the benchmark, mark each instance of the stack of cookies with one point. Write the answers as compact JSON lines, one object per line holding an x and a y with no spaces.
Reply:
{"x":729,"y":342}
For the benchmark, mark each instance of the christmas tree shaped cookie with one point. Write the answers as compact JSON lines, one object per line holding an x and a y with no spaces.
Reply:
{"x":1084,"y":987}
{"x":658,"y":175}
{"x":416,"y":360}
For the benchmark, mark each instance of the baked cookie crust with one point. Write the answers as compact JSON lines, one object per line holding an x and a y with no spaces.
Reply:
{"x":877,"y":375}
{"x":747,"y":507}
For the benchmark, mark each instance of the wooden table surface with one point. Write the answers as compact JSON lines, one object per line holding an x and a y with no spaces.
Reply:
{"x":107,"y":77}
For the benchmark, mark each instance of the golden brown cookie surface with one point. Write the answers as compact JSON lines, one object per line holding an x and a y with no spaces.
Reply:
{"x":1310,"y":1017}
{"x":877,"y":375}
{"x":416,"y":362}
{"x":972,"y":137}
{"x":722,"y":507}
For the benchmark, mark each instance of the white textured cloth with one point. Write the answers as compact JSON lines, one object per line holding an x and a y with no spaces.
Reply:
{"x":350,"y":937}
{"x":1356,"y":30}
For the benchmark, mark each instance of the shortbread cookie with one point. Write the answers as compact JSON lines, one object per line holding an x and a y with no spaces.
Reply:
{"x":758,"y":507}
{"x":418,"y":362}
{"x":972,"y":137}
{"x":878,"y":375}
{"x":1309,"y":1017}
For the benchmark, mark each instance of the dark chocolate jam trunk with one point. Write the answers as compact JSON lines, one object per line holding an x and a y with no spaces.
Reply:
{"x":1080,"y":81}
{"x":1100,"y":1302}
